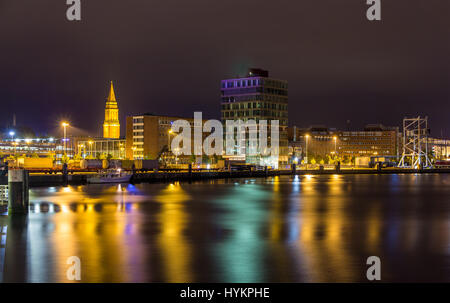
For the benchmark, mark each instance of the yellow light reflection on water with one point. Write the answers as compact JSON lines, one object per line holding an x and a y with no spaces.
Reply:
{"x":88,"y":226}
{"x":282,"y":228}
{"x":325,"y":230}
{"x":67,"y":189}
{"x":175,"y":249}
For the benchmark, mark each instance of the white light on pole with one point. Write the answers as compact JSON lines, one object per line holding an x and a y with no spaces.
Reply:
{"x":307,"y":137}
{"x":64,"y":125}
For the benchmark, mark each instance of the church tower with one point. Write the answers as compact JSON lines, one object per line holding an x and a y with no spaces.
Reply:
{"x":111,"y":126}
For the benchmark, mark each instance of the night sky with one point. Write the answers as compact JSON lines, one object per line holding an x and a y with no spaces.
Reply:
{"x":168,"y":57}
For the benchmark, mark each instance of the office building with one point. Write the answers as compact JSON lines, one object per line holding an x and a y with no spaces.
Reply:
{"x":148,"y":136}
{"x":258,"y":97}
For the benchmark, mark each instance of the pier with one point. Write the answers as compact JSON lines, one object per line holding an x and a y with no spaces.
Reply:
{"x":37,"y":179}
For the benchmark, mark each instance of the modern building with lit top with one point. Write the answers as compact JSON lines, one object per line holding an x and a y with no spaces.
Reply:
{"x":111,"y":125}
{"x":258,"y":97}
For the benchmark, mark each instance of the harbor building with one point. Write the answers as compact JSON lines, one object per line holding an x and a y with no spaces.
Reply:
{"x":149,"y":136}
{"x":100,"y":148}
{"x":321,"y":142}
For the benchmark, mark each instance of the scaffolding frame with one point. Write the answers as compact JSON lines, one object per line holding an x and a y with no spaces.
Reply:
{"x":415,"y":143}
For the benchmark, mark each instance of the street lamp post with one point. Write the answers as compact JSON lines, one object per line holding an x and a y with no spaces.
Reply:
{"x":168,"y":138}
{"x":335,"y":139}
{"x":12,"y":133}
{"x":64,"y":125}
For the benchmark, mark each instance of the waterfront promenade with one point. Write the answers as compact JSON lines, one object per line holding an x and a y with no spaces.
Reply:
{"x":79,"y":178}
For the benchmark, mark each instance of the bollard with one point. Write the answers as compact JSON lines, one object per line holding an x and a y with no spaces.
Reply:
{"x":17,"y":191}
{"x":266,"y":171}
{"x":190,"y":171}
{"x":294,"y":169}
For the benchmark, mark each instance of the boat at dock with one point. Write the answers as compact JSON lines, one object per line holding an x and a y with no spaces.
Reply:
{"x":110,"y":176}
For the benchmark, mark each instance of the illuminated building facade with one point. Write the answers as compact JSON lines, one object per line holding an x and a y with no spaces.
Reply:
{"x":111,"y":125}
{"x":373,"y":140}
{"x":440,"y":148}
{"x":320,"y":141}
{"x":148,"y":136}
{"x":258,"y":97}
{"x":99,"y":148}
{"x":40,"y":147}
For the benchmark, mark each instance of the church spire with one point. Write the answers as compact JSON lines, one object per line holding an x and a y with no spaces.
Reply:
{"x":111,"y":125}
{"x":112,"y":95}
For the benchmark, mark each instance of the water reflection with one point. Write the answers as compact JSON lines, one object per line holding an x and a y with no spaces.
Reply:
{"x":173,"y":219}
{"x":242,"y":214}
{"x":280,"y":229}
{"x":3,"y":231}
{"x":14,"y":247}
{"x":325,"y":227}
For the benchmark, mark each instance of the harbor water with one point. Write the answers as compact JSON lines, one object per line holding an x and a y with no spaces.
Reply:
{"x":277,"y":229}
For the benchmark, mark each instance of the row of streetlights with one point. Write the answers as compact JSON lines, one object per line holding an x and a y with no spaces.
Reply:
{"x":66,"y":124}
{"x":63,"y":124}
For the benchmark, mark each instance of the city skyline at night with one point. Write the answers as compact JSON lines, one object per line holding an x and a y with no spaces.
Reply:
{"x":224,"y":151}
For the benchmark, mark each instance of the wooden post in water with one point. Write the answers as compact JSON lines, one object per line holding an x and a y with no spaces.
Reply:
{"x":294,"y":169}
{"x":17,"y":191}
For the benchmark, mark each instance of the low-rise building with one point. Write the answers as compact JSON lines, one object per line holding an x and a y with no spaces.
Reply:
{"x":95,"y":148}
{"x":41,"y":147}
{"x":440,"y":148}
{"x":373,"y":140}
{"x":320,"y":141}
